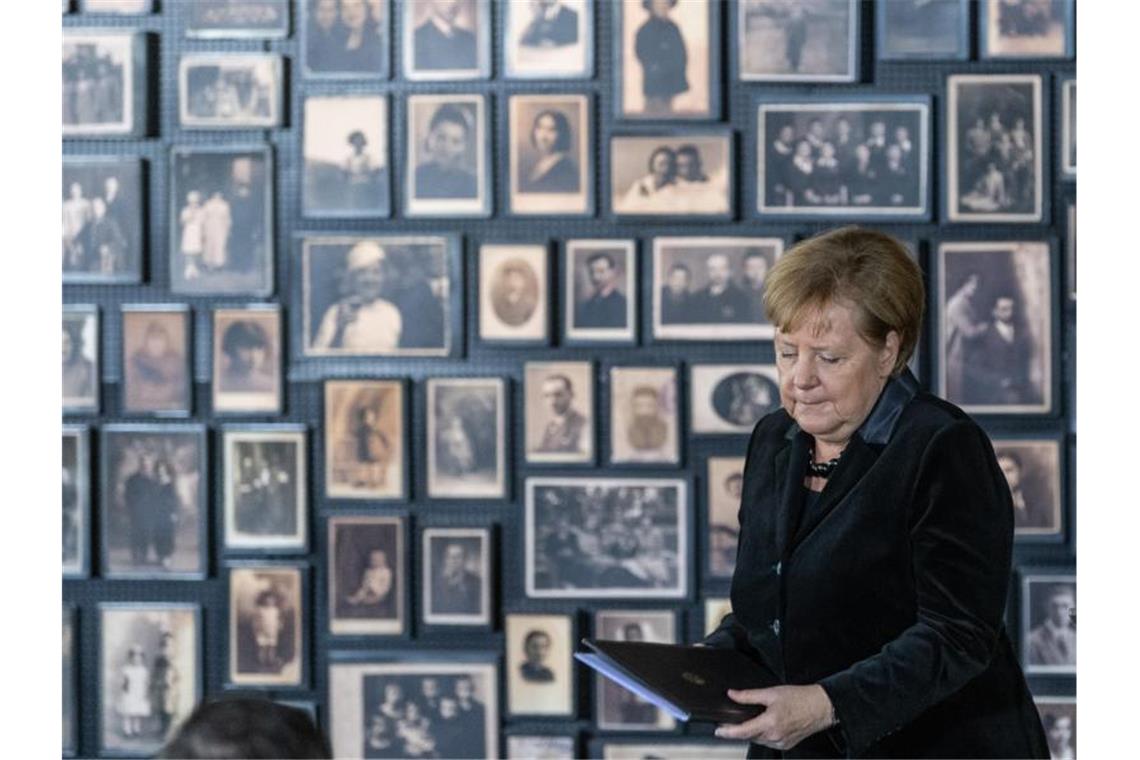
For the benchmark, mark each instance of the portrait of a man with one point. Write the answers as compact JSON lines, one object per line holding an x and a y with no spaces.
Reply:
{"x":346,"y":38}
{"x":536,"y":648}
{"x":559,"y":408}
{"x":603,"y":304}
{"x":1051,"y":635}
{"x":446,"y":39}
{"x":643,"y":414}
{"x":455,"y":576}
{"x":548,"y":38}
{"x":725,"y":485}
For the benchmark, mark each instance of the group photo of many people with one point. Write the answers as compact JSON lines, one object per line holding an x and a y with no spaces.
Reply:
{"x":93,"y":85}
{"x":727,"y":287}
{"x":99,"y":232}
{"x":422,"y":716}
{"x":997,"y":163}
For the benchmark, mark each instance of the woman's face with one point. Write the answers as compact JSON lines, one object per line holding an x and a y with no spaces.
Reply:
{"x":662,"y":164}
{"x":447,"y":143}
{"x":545,"y":134}
{"x":353,"y":13}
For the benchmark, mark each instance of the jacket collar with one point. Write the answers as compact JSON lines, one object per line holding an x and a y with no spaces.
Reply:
{"x":880,"y":423}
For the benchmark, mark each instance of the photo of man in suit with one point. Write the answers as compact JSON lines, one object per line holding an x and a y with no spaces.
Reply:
{"x":997,"y":366}
{"x":606,"y":305}
{"x":455,"y":589}
{"x":552,"y":24}
{"x":1053,"y":641}
{"x":441,"y":42}
{"x":565,"y":432}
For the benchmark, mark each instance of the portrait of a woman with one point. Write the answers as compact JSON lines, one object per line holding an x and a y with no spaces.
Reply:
{"x":551,"y":169}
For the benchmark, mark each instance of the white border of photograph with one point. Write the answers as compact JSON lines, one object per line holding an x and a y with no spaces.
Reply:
{"x":510,"y":33}
{"x":427,"y":575}
{"x":71,"y":404}
{"x":234,"y":540}
{"x":230,"y":33}
{"x":482,"y":32}
{"x":400,"y":570}
{"x":429,"y":207}
{"x":187,"y":120}
{"x":83,"y":501}
{"x":854,"y":51}
{"x":716,"y":372}
{"x":1068,"y":104}
{"x":571,"y":334}
{"x":496,"y":489}
{"x":552,"y":204}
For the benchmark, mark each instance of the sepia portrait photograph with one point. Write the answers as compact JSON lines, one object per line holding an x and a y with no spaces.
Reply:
{"x":676,"y":174}
{"x":266,"y":494}
{"x":715,"y":610}
{"x":448,"y":169}
{"x":367,"y":575}
{"x":548,"y":39}
{"x":390,"y":295}
{"x":447,"y":40}
{"x":104,"y":81}
{"x":600,"y":291}
{"x":996,"y":327}
{"x":1032,"y":467}
{"x":247,"y":360}
{"x":514,"y":294}
{"x":541,"y":747}
{"x":1059,"y":719}
{"x":70,"y":688}
{"x":153,"y":501}
{"x":76,"y":501}
{"x":229,"y":91}
{"x":150,"y":674}
{"x":1026,"y":28}
{"x":266,"y":625}
{"x":540,"y":664}
{"x":644,"y":416}
{"x":1068,"y":128}
{"x":731,"y":398}
{"x":994,"y":166}
{"x":723,"y":489}
{"x":236,"y":19}
{"x":466,"y":438}
{"x":221,"y":221}
{"x":156,"y":359}
{"x":345,"y":39}
{"x":81,"y":372}
{"x":797,"y":40}
{"x":712,"y":288}
{"x":844,"y":159}
{"x":456,"y":578}
{"x":559,"y":411}
{"x":617,"y":708}
{"x":102,"y":219}
{"x":672,"y":749}
{"x":551,"y":155}
{"x":908,"y":30}
{"x":602,"y":538}
{"x":346,"y":157}
{"x":365,"y":439}
{"x":1049,"y":624}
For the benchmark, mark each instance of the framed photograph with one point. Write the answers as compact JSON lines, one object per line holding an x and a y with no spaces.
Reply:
{"x":540,"y":665}
{"x":712,"y":288}
{"x":267,"y":625}
{"x":644,"y":416}
{"x":346,"y":156}
{"x":448,"y":169}
{"x":81,"y":370}
{"x":836,"y":158}
{"x":368,"y":571}
{"x":456,"y":576}
{"x":806,"y":41}
{"x":221,"y":212}
{"x":1069,"y":128}
{"x":666,"y":749}
{"x":403,"y":704}
{"x":607,"y":538}
{"x":994,"y":169}
{"x":667,"y":60}
{"x":381,"y":295}
{"x":70,"y":693}
{"x":120,"y":7}
{"x":447,"y":40}
{"x":715,"y":610}
{"x":466,"y":438}
{"x":1026,"y":28}
{"x":923,"y":30}
{"x":365,"y":439}
{"x":559,"y":412}
{"x":542,"y":747}
{"x":104,"y":83}
{"x":1059,"y":718}
{"x":731,"y":398}
{"x":229,"y":91}
{"x":1049,"y":623}
{"x":345,"y":39}
{"x":247,"y":360}
{"x":76,"y":501}
{"x":600,"y":287}
{"x":514,"y":294}
{"x":725,"y":483}
{"x":996,"y":327}
{"x":673,"y":174}
{"x":266,"y":506}
{"x":102,"y":220}
{"x":1032,"y":467}
{"x":236,"y":19}
{"x":1071,"y":251}
{"x":153,"y":503}
{"x":619,"y":709}
{"x":551,"y":155}
{"x":548,"y":39}
{"x":150,"y":671}
{"x":156,"y":359}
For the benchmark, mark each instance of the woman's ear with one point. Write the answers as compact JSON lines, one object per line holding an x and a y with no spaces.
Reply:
{"x":889,"y":353}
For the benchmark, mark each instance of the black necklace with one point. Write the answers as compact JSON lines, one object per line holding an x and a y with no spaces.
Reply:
{"x":821,"y":469}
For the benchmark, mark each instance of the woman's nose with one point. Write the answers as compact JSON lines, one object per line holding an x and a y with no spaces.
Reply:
{"x":803,"y":373}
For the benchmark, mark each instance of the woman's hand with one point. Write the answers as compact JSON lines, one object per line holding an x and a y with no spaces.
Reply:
{"x":792,"y":714}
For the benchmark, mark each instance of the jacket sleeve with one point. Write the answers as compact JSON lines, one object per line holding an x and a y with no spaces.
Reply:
{"x":961,"y":537}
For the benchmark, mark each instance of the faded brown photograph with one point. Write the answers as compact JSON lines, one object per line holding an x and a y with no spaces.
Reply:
{"x":725,"y":485}
{"x":513,"y":293}
{"x":1033,"y":470}
{"x":156,"y":360}
{"x":559,"y":412}
{"x":266,"y":624}
{"x":550,"y":154}
{"x":540,"y":676}
{"x":364,"y":439}
{"x":247,"y":360}
{"x":665,"y":61}
{"x":643,"y":415}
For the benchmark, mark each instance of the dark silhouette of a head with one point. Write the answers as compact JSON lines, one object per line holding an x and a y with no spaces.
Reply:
{"x":246,"y":727}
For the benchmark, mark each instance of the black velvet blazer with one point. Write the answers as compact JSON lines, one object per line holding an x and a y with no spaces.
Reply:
{"x":890,"y":593}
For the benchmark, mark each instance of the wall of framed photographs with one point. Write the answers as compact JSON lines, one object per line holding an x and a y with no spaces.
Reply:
{"x":402,"y":348}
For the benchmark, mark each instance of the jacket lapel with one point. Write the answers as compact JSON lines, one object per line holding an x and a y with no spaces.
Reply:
{"x":789,"y":466}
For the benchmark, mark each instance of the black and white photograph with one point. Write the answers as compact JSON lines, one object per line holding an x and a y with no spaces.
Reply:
{"x":236,"y":19}
{"x":221,"y":214}
{"x":345,"y":39}
{"x":466,"y":438}
{"x":617,"y":708}
{"x":1059,"y":719}
{"x":447,"y":40}
{"x":266,"y":625}
{"x":448,"y":168}
{"x":559,"y":411}
{"x":935,"y":30}
{"x":76,"y":501}
{"x":365,"y":439}
{"x":102,"y":219}
{"x":247,"y":360}
{"x":644,"y":416}
{"x":1026,"y":28}
{"x":797,"y":40}
{"x":346,"y":152}
{"x":229,"y":90}
{"x":731,"y":398}
{"x":551,"y":155}
{"x":1049,"y":623}
{"x":385,"y":295}
{"x":723,"y":489}
{"x":153,"y":501}
{"x":1068,"y":128}
{"x":150,"y":674}
{"x":995,"y":332}
{"x":548,"y":39}
{"x":81,"y":371}
{"x":70,"y":687}
{"x":119,"y":7}
{"x":104,"y":78}
{"x":715,"y":609}
{"x":1032,"y":467}
{"x":676,"y":174}
{"x":456,"y":576}
{"x":540,"y":664}
{"x":677,"y":749}
{"x":603,"y":538}
{"x":266,"y":494}
{"x":367,"y":575}
{"x":831,"y":158}
{"x":541,"y":747}
{"x":156,"y":359}
{"x":514,"y":293}
{"x":600,"y":291}
{"x":712,"y":288}
{"x":994,"y":139}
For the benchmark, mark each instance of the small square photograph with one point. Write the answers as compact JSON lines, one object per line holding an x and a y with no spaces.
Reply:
{"x":619,"y":709}
{"x":798,"y":40}
{"x":345,"y":39}
{"x":457,"y":576}
{"x":150,"y":674}
{"x":1033,"y":470}
{"x":76,"y":501}
{"x":644,"y":416}
{"x":725,"y":484}
{"x":548,"y":39}
{"x":70,"y":700}
{"x":1049,"y":624}
{"x":346,"y":156}
{"x":221,"y":211}
{"x":1059,"y":719}
{"x":247,"y":360}
{"x":672,"y":750}
{"x":540,"y":672}
{"x":229,"y":91}
{"x":559,"y":410}
{"x":551,"y":155}
{"x":601,"y":286}
{"x":365,"y":439}
{"x":448,"y":171}
{"x":715,"y":610}
{"x":81,"y":376}
{"x":102,"y":219}
{"x":514,"y":293}
{"x":104,"y":75}
{"x":923,"y":29}
{"x":266,"y":624}
{"x":124,"y":7}
{"x":541,"y":747}
{"x":1068,"y":129}
{"x":236,"y":19}
{"x":156,"y":359}
{"x":367,"y":576}
{"x":675,"y":174}
{"x":466,"y":438}
{"x":1026,"y":28}
{"x":447,"y":40}
{"x":266,"y":497}
{"x":731,"y":398}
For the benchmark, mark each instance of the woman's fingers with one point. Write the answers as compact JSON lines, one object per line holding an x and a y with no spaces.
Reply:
{"x":752,"y":696}
{"x":749,"y":729}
